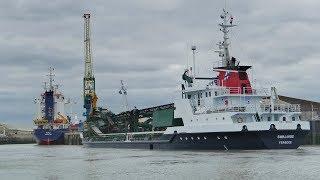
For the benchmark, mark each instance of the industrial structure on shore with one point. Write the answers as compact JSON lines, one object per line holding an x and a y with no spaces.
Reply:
{"x":15,"y":136}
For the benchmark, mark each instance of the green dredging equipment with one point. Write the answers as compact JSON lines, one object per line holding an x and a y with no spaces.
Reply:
{"x":105,"y":124}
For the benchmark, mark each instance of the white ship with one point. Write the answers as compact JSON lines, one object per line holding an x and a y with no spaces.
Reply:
{"x":222,"y":112}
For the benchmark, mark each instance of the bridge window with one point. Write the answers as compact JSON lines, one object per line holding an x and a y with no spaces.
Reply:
{"x":293,"y":118}
{"x":189,"y":96}
{"x":210,"y":94}
{"x":206,"y":94}
{"x":283,"y":118}
{"x":269,"y":118}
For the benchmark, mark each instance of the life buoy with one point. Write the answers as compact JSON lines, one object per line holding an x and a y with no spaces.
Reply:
{"x":240,"y":120}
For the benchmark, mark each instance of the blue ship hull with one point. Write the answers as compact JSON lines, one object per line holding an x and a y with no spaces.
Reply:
{"x":50,"y":136}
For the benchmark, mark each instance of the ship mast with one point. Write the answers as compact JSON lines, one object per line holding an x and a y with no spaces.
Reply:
{"x":227,"y":22}
{"x":51,"y":75}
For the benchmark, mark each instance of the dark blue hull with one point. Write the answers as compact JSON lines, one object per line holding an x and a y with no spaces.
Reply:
{"x":50,"y":136}
{"x":278,"y":139}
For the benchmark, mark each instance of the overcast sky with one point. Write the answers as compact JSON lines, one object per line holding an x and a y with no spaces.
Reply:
{"x":147,"y":44}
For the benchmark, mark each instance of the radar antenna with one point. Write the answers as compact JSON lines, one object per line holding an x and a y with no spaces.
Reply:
{"x":227,"y":22}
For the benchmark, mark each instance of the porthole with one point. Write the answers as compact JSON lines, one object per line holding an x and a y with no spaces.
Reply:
{"x":198,"y":138}
{"x":225,"y":137}
{"x":283,"y":118}
{"x":205,"y":137}
{"x":223,"y":118}
{"x":181,"y":138}
{"x":218,"y":137}
{"x":186,"y":138}
{"x":191,"y":138}
{"x":293,"y":118}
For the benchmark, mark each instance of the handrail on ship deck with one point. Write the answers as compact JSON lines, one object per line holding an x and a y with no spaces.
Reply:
{"x":133,"y":133}
{"x":129,"y":136}
{"x":239,"y":90}
{"x":281,"y":108}
{"x":220,"y":91}
{"x":263,"y":109}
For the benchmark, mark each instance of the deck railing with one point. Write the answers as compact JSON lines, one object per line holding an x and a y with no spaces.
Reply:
{"x":281,"y":108}
{"x":129,"y":136}
{"x":239,"y":90}
{"x":263,"y":108}
{"x":227,"y":109}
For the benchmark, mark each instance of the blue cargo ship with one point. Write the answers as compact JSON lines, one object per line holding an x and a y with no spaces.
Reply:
{"x":51,"y":121}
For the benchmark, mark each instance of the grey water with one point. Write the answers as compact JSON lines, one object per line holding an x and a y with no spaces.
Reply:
{"x":77,"y":162}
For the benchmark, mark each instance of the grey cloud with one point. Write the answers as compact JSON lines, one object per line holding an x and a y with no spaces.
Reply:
{"x":147,"y":44}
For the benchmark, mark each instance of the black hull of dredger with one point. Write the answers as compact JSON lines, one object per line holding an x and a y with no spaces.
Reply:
{"x":246,"y":140}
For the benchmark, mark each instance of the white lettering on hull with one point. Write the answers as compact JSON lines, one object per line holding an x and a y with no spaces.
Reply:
{"x":48,"y":134}
{"x":285,"y":136}
{"x":285,"y":142}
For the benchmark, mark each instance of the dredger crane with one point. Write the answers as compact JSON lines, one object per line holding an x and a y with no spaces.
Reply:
{"x":89,"y":93}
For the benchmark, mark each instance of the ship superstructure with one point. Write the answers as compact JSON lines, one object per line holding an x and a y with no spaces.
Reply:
{"x":51,"y":120}
{"x":219,"y":112}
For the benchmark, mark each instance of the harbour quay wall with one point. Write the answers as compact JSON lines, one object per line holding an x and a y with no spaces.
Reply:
{"x":15,"y":136}
{"x":310,"y":111}
{"x":314,"y":137}
{"x":73,"y":138}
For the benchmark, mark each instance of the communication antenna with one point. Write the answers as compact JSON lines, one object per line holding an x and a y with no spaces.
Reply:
{"x":123,"y":92}
{"x":51,"y":75}
{"x":194,"y":48}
